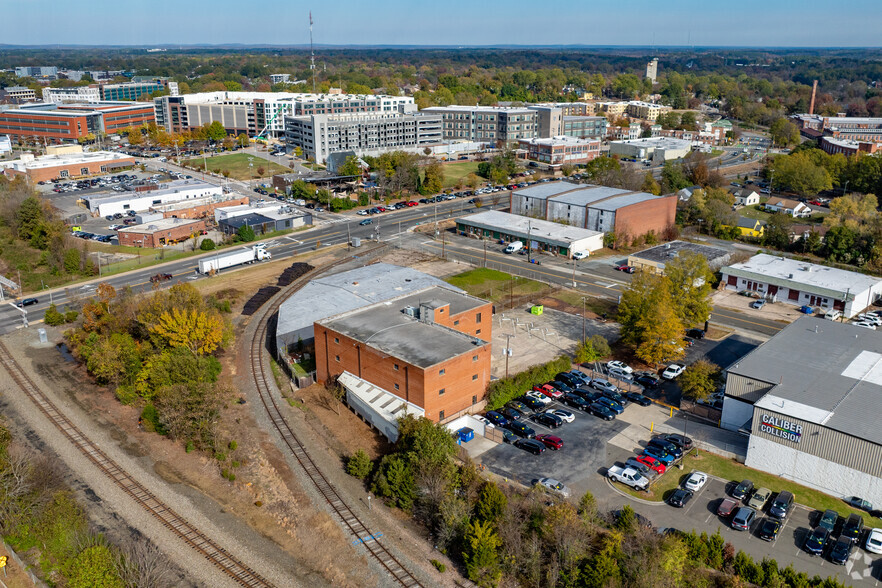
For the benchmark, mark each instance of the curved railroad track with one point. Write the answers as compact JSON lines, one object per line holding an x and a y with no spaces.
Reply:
{"x":214,"y":553}
{"x":349,"y":519}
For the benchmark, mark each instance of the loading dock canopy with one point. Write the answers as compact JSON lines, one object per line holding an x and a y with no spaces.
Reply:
{"x":377,"y":406}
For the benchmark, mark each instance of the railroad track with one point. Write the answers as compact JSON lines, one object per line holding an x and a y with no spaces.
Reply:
{"x":371,"y":541}
{"x":217,"y":555}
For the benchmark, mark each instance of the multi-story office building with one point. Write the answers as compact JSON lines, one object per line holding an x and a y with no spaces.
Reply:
{"x":552,"y":115}
{"x":849,"y":128}
{"x":75,"y":95}
{"x":365,"y":133}
{"x":652,"y":70}
{"x":556,"y":151}
{"x":280,"y":78}
{"x":487,"y":124}
{"x":645,"y":110}
{"x":42,"y":73}
{"x":256,"y":113}
{"x":69,"y":122}
{"x":584,"y":127}
{"x":138,"y":89}
{"x":17,"y":95}
{"x":613,"y":109}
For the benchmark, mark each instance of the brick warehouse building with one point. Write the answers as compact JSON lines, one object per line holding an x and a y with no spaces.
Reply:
{"x":56,"y":123}
{"x":430,"y":348}
{"x":597,"y":208}
{"x":66,"y":165}
{"x":160,"y":232}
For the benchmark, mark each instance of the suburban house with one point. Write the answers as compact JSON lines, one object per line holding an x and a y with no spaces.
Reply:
{"x":800,"y":231}
{"x":787,"y":206}
{"x":750,"y":227}
{"x":746,"y":197}
{"x":686,"y":193}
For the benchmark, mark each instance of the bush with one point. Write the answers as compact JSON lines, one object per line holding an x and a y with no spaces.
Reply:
{"x":506,"y":389}
{"x":150,"y":419}
{"x":207,"y":245}
{"x":338,"y":204}
{"x":439,"y":566}
{"x":245,"y":234}
{"x":70,"y":316}
{"x":359,"y":465}
{"x":52,"y":317}
{"x":233,"y":445}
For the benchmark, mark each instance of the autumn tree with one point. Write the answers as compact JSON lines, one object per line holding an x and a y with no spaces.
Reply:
{"x":690,"y":280}
{"x":480,"y":554}
{"x":784,"y":133}
{"x":197,"y":330}
{"x":592,"y":349}
{"x":700,"y":380}
{"x":854,"y":211}
{"x":433,"y":181}
{"x":649,"y":318}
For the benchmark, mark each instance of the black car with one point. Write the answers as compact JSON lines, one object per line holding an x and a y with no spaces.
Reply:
{"x":601,"y":411}
{"x":680,"y":497}
{"x":667,"y":446}
{"x":531,"y":445}
{"x":519,"y":406}
{"x":647,"y":381}
{"x":637,"y":398}
{"x":27,"y":302}
{"x":769,"y":529}
{"x":817,"y":541}
{"x":697,"y":334}
{"x":615,"y":397}
{"x":531,"y":403}
{"x":549,"y":420}
{"x":742,"y":490}
{"x":568,"y":379}
{"x":521,"y":430}
{"x":828,"y":520}
{"x":574,"y":401}
{"x":587,"y":394}
{"x":562,"y":386}
{"x":852,"y":528}
{"x":682,"y":441}
{"x":840,"y":552}
{"x":512,"y":414}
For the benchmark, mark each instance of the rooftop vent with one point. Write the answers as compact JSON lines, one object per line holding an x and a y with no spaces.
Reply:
{"x":412,"y":311}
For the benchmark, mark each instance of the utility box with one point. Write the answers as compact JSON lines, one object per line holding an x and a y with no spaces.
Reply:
{"x":537,"y":309}
{"x":356,"y":241}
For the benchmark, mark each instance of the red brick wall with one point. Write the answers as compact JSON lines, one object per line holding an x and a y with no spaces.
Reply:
{"x":652,"y":215}
{"x":468,"y":321}
{"x":418,"y":386}
{"x":73,"y":171}
{"x":66,"y":130}
{"x":134,"y":239}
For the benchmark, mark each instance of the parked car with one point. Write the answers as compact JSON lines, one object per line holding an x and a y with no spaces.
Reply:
{"x":512,"y":414}
{"x":840,"y":552}
{"x":539,"y":397}
{"x":652,"y":463}
{"x":726,"y":507}
{"x":758,"y":304}
{"x":561,"y":413}
{"x":549,"y":420}
{"x":548,"y":390}
{"x":769,"y":529}
{"x":695,"y":481}
{"x":743,"y":518}
{"x":625,"y":268}
{"x":682,"y":441}
{"x":531,"y":403}
{"x":620,"y":374}
{"x":27,"y":302}
{"x":603,"y":385}
{"x":874,"y":541}
{"x":550,"y":441}
{"x":619,"y":365}
{"x":672,"y":371}
{"x":816,"y":541}
{"x":828,"y":520}
{"x":574,"y":401}
{"x":667,"y":446}
{"x":647,"y":381}
{"x":659,"y":454}
{"x":759,"y":499}
{"x":587,"y":394}
{"x":852,"y":528}
{"x":680,"y":497}
{"x":569,"y":379}
{"x":742,"y":490}
{"x":554,"y":486}
{"x":637,"y":398}
{"x":782,"y":505}
{"x":644,"y":469}
{"x":696,"y":334}
{"x":496,"y":418}
{"x":859,"y":503}
{"x":561,"y":386}
{"x":581,"y":376}
{"x":531,"y":445}
{"x":518,"y":406}
{"x":600,"y":411}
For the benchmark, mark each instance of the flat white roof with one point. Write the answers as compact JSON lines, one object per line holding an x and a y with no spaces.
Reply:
{"x":560,"y":140}
{"x":535,"y":229}
{"x":801,"y":273}
{"x":160,"y":224}
{"x":657,"y":142}
{"x":62,"y":159}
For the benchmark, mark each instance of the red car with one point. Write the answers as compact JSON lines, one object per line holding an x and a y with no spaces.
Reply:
{"x":550,"y":441}
{"x":549,"y":391}
{"x":652,"y":463}
{"x":816,"y":203}
{"x":412,"y":203}
{"x":625,"y":268}
{"x":381,"y":209}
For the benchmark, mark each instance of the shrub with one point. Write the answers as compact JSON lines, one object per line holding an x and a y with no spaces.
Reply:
{"x":439,"y":566}
{"x":359,"y":465}
{"x":207,"y":245}
{"x":150,"y":419}
{"x":70,"y":316}
{"x":52,"y":317}
{"x":233,"y":445}
{"x":190,"y":446}
{"x":506,"y":389}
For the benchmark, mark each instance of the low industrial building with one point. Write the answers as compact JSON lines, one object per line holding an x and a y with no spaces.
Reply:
{"x":655,"y":258}
{"x":810,"y":398}
{"x":848,"y":146}
{"x":160,"y":232}
{"x":261,"y":219}
{"x":535,"y":234}
{"x":596,"y":208}
{"x":141,"y":201}
{"x":200,"y":207}
{"x":560,"y":150}
{"x":65,"y":165}
{"x":800,"y":283}
{"x":430,"y":348}
{"x":656,"y":149}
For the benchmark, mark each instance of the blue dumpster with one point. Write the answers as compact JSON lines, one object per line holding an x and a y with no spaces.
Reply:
{"x":465,"y":434}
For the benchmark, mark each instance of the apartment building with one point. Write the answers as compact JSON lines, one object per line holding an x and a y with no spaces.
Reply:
{"x":255,"y":113}
{"x":585,"y":127}
{"x":17,"y":95}
{"x":556,"y":151}
{"x":75,"y":95}
{"x":69,"y":122}
{"x":645,"y":110}
{"x":364,"y":133}
{"x":487,"y":124}
{"x":42,"y":73}
{"x":280,"y":78}
{"x":137,"y":89}
{"x":652,"y":70}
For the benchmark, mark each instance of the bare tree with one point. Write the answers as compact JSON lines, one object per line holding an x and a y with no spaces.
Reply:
{"x":141,"y":565}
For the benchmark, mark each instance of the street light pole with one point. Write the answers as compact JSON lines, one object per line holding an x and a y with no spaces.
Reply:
{"x":583,"y":318}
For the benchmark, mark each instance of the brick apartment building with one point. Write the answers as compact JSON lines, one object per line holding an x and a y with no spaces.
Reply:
{"x":561,"y":150}
{"x":431,"y":348}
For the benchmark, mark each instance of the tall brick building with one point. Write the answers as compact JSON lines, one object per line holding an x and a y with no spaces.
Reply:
{"x":430,"y":348}
{"x":56,"y":123}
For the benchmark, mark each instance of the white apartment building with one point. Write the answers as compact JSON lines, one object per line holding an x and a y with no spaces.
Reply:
{"x":487,"y":124}
{"x":78,"y":94}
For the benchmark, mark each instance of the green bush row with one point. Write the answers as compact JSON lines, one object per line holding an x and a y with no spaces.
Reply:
{"x":506,"y":389}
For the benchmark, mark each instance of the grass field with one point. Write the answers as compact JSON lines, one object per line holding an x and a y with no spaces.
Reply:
{"x":729,"y":469}
{"x":496,"y":286}
{"x":752,"y":212}
{"x":453,"y":172}
{"x":598,"y":306}
{"x":237,"y":165}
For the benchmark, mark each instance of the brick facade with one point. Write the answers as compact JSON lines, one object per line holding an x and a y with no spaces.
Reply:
{"x":145,"y":238}
{"x":73,"y":170}
{"x":199,"y":211}
{"x":655,"y":215}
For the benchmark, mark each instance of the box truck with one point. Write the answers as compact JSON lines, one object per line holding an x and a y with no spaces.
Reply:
{"x":218,"y":262}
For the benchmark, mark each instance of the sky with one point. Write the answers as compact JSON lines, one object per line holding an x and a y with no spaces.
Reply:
{"x":756,"y":23}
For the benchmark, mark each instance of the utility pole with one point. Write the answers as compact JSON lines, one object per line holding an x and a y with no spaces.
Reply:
{"x":485,"y":252}
{"x":311,"y":53}
{"x":583,"y":317}
{"x":507,"y":353}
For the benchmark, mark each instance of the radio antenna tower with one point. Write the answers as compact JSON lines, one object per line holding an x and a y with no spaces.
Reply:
{"x":311,"y":53}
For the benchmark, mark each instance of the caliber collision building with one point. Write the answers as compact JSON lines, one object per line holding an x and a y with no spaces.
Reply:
{"x":810,"y":398}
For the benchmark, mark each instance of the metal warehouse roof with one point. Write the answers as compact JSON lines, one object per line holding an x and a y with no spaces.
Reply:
{"x":618,"y":202}
{"x":585,"y":195}
{"x":790,"y":273}
{"x":823,"y":372}
{"x":528,"y":228}
{"x":546,"y":189}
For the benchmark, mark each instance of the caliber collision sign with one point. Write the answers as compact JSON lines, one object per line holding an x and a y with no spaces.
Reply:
{"x":781,"y":428}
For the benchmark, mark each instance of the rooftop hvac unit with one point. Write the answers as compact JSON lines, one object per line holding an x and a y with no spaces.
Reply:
{"x":412,"y":311}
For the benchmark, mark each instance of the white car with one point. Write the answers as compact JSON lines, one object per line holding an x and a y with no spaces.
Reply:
{"x":362,"y":213}
{"x":865,"y":325}
{"x":562,"y":413}
{"x":619,"y":365}
{"x":695,"y":481}
{"x":580,"y":255}
{"x":621,"y":374}
{"x":672,"y":371}
{"x":554,"y":486}
{"x":538,"y":396}
{"x":873,"y":319}
{"x":874,"y":541}
{"x":482,"y":419}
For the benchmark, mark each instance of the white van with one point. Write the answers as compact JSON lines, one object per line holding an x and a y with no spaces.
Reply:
{"x":833,"y":314}
{"x":514,"y":247}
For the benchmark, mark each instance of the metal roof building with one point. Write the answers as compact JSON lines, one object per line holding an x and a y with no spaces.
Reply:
{"x":337,"y":293}
{"x":655,"y":258}
{"x":813,"y":416}
{"x":542,"y":235}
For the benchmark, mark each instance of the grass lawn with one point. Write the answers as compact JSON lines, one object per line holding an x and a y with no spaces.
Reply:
{"x":751,"y":212}
{"x":598,"y":306}
{"x":496,"y":286}
{"x":716,"y":152}
{"x":237,"y":165}
{"x":453,"y":172}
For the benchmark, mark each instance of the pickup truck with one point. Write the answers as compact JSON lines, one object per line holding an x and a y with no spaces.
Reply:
{"x":628,"y":476}
{"x":159,"y":278}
